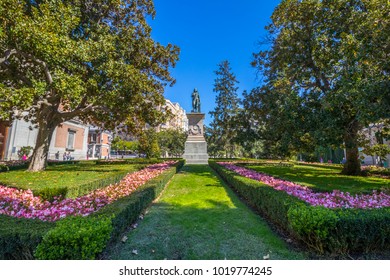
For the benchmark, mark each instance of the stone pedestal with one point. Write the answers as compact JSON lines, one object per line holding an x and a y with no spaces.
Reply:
{"x":195,"y":151}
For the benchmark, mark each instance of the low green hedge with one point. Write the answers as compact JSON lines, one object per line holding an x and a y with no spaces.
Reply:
{"x":20,"y":237}
{"x":86,"y":237}
{"x":83,"y":189}
{"x":324,"y":230}
{"x":75,"y":238}
{"x":129,"y":161}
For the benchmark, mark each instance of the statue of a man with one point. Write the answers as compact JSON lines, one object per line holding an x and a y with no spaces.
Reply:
{"x":195,"y":101}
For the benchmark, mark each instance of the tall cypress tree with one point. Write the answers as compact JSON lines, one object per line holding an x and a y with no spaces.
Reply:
{"x":226,"y":110}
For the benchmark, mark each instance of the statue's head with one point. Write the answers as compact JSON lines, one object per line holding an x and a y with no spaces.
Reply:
{"x":195,"y":89}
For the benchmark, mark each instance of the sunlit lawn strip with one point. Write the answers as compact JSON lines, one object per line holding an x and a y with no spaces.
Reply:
{"x":22,"y":203}
{"x":334,"y":199}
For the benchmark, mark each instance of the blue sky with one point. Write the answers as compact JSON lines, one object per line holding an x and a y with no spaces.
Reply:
{"x":208,"y":32}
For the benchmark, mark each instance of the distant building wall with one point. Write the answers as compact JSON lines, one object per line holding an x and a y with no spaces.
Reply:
{"x":22,"y":133}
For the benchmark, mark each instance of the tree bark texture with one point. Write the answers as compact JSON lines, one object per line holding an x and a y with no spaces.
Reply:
{"x":41,"y":150}
{"x":352,"y":165}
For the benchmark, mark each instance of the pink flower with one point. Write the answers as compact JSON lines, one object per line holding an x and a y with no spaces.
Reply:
{"x":335,"y":199}
{"x":22,"y":203}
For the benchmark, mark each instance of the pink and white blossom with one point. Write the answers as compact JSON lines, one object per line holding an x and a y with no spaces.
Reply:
{"x":23,"y":204}
{"x":335,"y":199}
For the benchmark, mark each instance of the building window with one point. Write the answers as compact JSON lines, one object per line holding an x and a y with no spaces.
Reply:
{"x":71,"y":139}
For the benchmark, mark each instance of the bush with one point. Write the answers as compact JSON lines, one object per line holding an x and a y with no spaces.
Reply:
{"x":4,"y":168}
{"x":19,"y":237}
{"x":75,"y":238}
{"x":13,"y":165}
{"x":129,"y":161}
{"x":324,"y":230}
{"x":76,"y":191}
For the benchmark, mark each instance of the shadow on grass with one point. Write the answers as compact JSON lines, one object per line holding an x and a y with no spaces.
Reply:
{"x":205,"y":221}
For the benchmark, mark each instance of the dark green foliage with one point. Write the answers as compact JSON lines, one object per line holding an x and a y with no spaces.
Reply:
{"x":13,"y":165}
{"x":172,"y":141}
{"x":342,"y":231}
{"x":325,"y":76}
{"x":20,"y":237}
{"x":75,"y":238}
{"x":129,"y":161}
{"x":4,"y":168}
{"x":326,"y":231}
{"x":222,"y":133}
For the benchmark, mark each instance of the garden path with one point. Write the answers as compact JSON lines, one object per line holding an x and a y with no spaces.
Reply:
{"x":199,"y":217}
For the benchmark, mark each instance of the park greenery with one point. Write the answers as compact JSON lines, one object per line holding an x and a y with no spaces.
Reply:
{"x":102,"y":66}
{"x":222,"y":130}
{"x":325,"y":77}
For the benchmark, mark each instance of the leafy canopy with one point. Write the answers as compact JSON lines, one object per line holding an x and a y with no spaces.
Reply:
{"x":90,"y":59}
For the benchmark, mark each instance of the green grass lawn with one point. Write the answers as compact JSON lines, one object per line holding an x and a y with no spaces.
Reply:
{"x":324,"y":178}
{"x":67,"y":175}
{"x":198,"y":217}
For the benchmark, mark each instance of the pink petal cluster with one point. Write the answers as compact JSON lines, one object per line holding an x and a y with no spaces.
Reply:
{"x":335,"y":199}
{"x":22,"y":203}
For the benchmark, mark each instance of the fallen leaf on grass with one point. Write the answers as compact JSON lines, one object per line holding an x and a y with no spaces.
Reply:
{"x":124,"y":239}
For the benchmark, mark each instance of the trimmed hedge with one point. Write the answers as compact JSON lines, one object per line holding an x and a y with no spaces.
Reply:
{"x":83,"y":189}
{"x":76,"y":191}
{"x":20,"y":237}
{"x":324,"y":230}
{"x":75,"y":238}
{"x":91,"y":234}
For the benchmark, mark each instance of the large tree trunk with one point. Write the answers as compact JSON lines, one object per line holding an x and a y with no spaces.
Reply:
{"x":352,"y":164}
{"x":41,"y":150}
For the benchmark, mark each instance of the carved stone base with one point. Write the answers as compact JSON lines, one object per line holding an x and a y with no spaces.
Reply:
{"x":195,"y":151}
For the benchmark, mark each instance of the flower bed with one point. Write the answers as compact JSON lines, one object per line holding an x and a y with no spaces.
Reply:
{"x":79,"y":237}
{"x":335,"y":232}
{"x":23,"y":204}
{"x":335,"y":199}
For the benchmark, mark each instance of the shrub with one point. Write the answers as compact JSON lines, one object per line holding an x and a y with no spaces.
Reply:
{"x":13,"y":165}
{"x":129,"y":161}
{"x":75,"y":238}
{"x":4,"y":168}
{"x":19,"y":237}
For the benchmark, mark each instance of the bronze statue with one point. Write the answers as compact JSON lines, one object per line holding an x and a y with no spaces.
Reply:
{"x":195,"y":101}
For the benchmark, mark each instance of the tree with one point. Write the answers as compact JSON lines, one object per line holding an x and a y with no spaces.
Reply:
{"x":172,"y":141}
{"x":148,"y":144}
{"x":226,"y":110}
{"x":119,"y":144}
{"x":333,"y":55}
{"x":86,"y":59}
